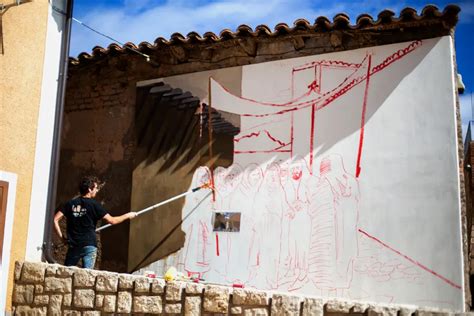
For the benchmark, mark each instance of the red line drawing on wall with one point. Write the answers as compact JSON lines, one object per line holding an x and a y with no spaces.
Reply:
{"x":197,"y":259}
{"x":362,"y":123}
{"x":282,"y":201}
{"x":266,"y":140}
{"x":360,"y":72}
{"x":334,"y":216}
{"x":422,"y":266}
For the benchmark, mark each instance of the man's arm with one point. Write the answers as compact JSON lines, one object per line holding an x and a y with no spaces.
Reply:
{"x":57,"y":218}
{"x":113,"y":220}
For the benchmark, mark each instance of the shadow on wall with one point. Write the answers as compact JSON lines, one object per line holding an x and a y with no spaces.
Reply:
{"x":171,"y":144}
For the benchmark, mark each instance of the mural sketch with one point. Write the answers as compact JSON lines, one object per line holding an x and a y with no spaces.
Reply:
{"x":302,"y":197}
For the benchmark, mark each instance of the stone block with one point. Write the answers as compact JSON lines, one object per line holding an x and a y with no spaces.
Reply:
{"x":408,"y":310}
{"x":126,"y":281}
{"x":432,"y":312}
{"x":275,"y":47}
{"x":53,"y":284}
{"x":84,"y":278}
{"x":142,"y":285}
{"x":256,"y":312}
{"x":67,"y":299}
{"x":51,"y":269}
{"x":17,"y":273}
{"x":39,"y":289}
{"x":63,"y":271}
{"x":99,"y":300}
{"x":194,"y":288}
{"x":173,"y":291}
{"x":107,"y":282}
{"x":147,"y":304}
{"x":33,"y":272}
{"x":29,"y":311}
{"x":109,"y":303}
{"x":216,"y":299}
{"x":313,"y":307}
{"x":23,"y":294}
{"x":41,"y":300}
{"x":70,"y":312}
{"x":285,"y":305}
{"x":338,"y":306}
{"x":236,"y":310}
{"x":158,"y":286}
{"x":124,"y":302}
{"x":84,"y":298}
{"x":192,"y":306}
{"x":54,"y":307}
{"x":91,"y":313}
{"x":173,"y":308}
{"x":379,"y":310}
{"x":249,"y":297}
{"x":359,"y":307}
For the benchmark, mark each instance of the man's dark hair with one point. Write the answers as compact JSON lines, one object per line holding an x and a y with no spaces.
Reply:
{"x":88,"y":183}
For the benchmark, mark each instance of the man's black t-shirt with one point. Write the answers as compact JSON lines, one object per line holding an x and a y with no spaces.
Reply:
{"x":82,"y":215}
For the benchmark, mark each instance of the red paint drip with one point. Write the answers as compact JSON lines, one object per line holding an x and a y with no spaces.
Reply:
{"x":311,"y":140}
{"x":362,"y":121}
{"x":217,"y":244}
{"x":412,"y":261}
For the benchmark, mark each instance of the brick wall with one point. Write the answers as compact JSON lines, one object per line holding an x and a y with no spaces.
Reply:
{"x":45,"y":289}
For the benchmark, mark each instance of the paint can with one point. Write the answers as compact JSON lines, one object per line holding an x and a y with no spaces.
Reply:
{"x":150,"y":274}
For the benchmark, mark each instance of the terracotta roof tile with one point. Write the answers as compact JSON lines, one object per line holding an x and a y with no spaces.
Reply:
{"x":341,"y":21}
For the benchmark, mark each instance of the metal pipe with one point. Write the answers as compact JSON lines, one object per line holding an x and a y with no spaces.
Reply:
{"x":58,"y":119}
{"x":157,"y":205}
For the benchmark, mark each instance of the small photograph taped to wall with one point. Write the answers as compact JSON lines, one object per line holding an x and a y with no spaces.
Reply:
{"x":226,"y":222}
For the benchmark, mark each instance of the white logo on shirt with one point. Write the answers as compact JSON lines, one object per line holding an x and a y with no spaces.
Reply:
{"x":77,"y":211}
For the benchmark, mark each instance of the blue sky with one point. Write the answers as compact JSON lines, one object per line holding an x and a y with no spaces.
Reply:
{"x":145,"y":20}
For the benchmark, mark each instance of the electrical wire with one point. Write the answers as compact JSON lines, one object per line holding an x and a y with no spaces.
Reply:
{"x":147,"y":57}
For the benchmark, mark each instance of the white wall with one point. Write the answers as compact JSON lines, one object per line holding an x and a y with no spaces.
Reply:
{"x":360,"y":202}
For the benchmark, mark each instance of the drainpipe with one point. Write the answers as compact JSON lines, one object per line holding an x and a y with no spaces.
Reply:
{"x":58,"y":120}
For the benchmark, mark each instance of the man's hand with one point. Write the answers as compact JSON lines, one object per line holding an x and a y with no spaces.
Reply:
{"x":132,"y":215}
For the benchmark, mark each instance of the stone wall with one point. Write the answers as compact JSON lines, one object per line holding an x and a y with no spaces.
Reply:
{"x":45,"y":289}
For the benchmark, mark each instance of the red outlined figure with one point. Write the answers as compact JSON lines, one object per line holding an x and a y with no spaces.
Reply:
{"x":298,"y":235}
{"x":267,"y":241}
{"x":226,"y":182}
{"x":334,"y":216}
{"x":197,"y":257}
{"x":252,"y":183}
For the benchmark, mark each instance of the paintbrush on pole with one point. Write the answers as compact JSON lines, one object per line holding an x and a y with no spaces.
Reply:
{"x":205,"y":186}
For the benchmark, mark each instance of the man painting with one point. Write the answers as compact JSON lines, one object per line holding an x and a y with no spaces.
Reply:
{"x":82,"y":214}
